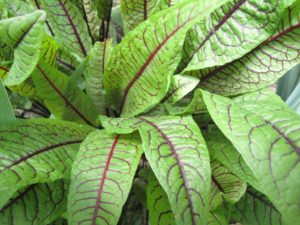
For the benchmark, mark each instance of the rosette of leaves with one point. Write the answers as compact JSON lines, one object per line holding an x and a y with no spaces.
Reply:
{"x":148,"y":112}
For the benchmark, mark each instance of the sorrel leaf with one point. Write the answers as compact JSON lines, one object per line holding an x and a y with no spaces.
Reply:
{"x":145,"y":79}
{"x":7,"y":114}
{"x":62,"y":95}
{"x":264,"y":139}
{"x":101,"y":178}
{"x":263,"y":65}
{"x":160,"y":212}
{"x":38,"y":204}
{"x":68,"y":25}
{"x":230,"y":32}
{"x":94,"y":74}
{"x":255,"y":209}
{"x":24,"y":34}
{"x":36,"y":150}
{"x":91,"y":18}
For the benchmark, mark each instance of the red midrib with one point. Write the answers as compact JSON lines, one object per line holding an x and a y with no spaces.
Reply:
{"x":63,"y":97}
{"x":185,"y":182}
{"x":3,"y":68}
{"x":102,"y":181}
{"x":148,"y":61}
{"x":73,"y":27}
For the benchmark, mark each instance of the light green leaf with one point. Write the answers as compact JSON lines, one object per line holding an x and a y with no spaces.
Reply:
{"x":91,"y":16}
{"x":69,"y":26}
{"x":138,"y":73}
{"x":221,"y":149}
{"x":160,"y":212}
{"x":230,"y":32}
{"x":62,"y":96}
{"x":266,"y":133}
{"x":102,"y":176}
{"x":36,"y":150}
{"x":25,"y":35}
{"x":255,"y":209}
{"x":263,"y":65}
{"x":218,"y":216}
{"x":7,"y":114}
{"x":37,"y":204}
{"x":225,"y":185}
{"x":94,"y":74}
{"x":17,"y":8}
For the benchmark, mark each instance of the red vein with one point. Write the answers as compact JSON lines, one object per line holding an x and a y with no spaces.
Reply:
{"x":145,"y":10}
{"x":179,"y":163}
{"x":218,"y":185}
{"x":102,"y":181}
{"x":148,"y":61}
{"x":63,"y":97}
{"x":3,"y":68}
{"x":73,"y":28}
{"x":25,"y":33}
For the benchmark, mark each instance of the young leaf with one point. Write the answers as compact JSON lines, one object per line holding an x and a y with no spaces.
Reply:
{"x":91,"y":17}
{"x":7,"y":114}
{"x":225,"y":185}
{"x":102,"y":176}
{"x":138,"y":73}
{"x":68,"y":25}
{"x":255,"y":209}
{"x":268,"y":142}
{"x":160,"y":212}
{"x":37,"y":204}
{"x":94,"y":74}
{"x":36,"y":150}
{"x":230,"y":32}
{"x":263,"y":65}
{"x":177,"y":156}
{"x":25,"y":35}
{"x":62,"y":96}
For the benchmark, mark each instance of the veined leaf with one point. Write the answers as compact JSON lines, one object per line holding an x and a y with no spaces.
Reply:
{"x":263,"y":65}
{"x":7,"y":114}
{"x":66,"y":63}
{"x":37,"y":204}
{"x":177,"y":156}
{"x":180,"y":87}
{"x":268,"y":142}
{"x":91,"y":17}
{"x":255,"y":209}
{"x":25,"y":35}
{"x":138,"y":78}
{"x":36,"y":150}
{"x":94,"y":74}
{"x":221,"y":149}
{"x":160,"y":212}
{"x":17,"y":8}
{"x":102,"y":177}
{"x":103,"y":8}
{"x":62,"y":96}
{"x":69,"y":26}
{"x":225,"y":185}
{"x":218,"y":216}
{"x":230,"y":32}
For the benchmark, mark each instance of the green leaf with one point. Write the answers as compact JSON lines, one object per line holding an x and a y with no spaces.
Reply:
{"x":36,"y":150}
{"x":102,"y":176}
{"x":263,"y":65}
{"x":221,"y":149}
{"x":103,"y":8}
{"x":94,"y":74}
{"x":69,"y":26}
{"x":230,"y":32}
{"x":37,"y":204}
{"x":255,"y":209}
{"x":62,"y":96}
{"x":25,"y":35}
{"x":180,"y":86}
{"x":225,"y":185}
{"x":177,"y":156}
{"x":138,"y":73}
{"x":7,"y":114}
{"x":91,"y":17}
{"x":160,"y":212}
{"x":268,"y":142}
{"x":218,"y":216}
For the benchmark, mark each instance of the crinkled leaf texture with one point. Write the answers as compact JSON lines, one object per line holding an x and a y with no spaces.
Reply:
{"x":138,"y":73}
{"x":36,"y":150}
{"x":230,"y":32}
{"x":263,"y":65}
{"x":25,"y":35}
{"x":102,"y":176}
{"x":37,"y":204}
{"x":266,"y":133}
{"x":62,"y":96}
{"x":177,"y":154}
